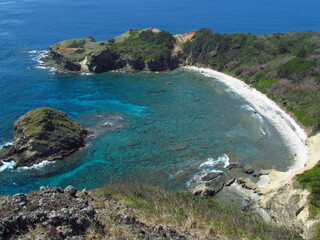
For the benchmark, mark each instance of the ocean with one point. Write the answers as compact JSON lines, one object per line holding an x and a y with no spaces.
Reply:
{"x":144,"y":128}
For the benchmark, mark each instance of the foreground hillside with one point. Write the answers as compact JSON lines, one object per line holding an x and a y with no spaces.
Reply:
{"x":126,"y":211}
{"x":285,"y":66}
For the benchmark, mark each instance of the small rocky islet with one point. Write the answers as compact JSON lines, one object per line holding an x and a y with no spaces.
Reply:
{"x":43,"y":134}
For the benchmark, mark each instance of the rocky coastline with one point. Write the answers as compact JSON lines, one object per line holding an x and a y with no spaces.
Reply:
{"x":43,"y":134}
{"x":88,"y":56}
{"x":277,"y":200}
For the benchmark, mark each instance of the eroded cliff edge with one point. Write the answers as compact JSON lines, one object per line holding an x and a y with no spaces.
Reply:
{"x":136,"y":50}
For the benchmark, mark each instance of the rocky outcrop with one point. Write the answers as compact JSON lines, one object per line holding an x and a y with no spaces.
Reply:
{"x":58,"y":212}
{"x":289,"y":206}
{"x":156,"y":53}
{"x":43,"y":134}
{"x":213,"y":182}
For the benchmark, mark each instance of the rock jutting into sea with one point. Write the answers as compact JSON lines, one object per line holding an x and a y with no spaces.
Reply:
{"x":136,"y":50}
{"x":286,"y":71}
{"x":43,"y":134}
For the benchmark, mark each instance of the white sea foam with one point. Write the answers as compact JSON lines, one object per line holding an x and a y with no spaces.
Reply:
{"x":5,"y":144}
{"x":179,"y":173}
{"x":108,"y":124}
{"x":263,"y":131}
{"x":196,"y":179}
{"x":38,"y":56}
{"x":86,"y":74}
{"x":248,"y":108}
{"x":232,"y":90}
{"x":211,"y":162}
{"x":6,"y":165}
{"x":38,"y":166}
{"x":207,"y":167}
{"x":258,"y":116}
{"x":292,"y":133}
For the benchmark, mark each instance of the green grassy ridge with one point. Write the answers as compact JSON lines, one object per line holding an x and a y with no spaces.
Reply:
{"x":310,"y":179}
{"x":183,"y":210}
{"x":136,"y":43}
{"x":285,"y":66}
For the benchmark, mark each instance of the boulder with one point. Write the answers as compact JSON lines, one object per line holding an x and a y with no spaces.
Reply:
{"x":43,"y":134}
{"x":62,"y":214}
{"x":211,"y":176}
{"x":214,"y":182}
{"x":244,"y":168}
{"x":247,"y":183}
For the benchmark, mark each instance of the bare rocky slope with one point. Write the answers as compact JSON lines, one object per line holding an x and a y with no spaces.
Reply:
{"x":125,"y":212}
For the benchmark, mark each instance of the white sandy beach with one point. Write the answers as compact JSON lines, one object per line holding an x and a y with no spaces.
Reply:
{"x":292,"y":133}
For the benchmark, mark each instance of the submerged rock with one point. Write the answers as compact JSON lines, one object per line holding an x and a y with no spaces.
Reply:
{"x":179,"y":147}
{"x":43,"y":134}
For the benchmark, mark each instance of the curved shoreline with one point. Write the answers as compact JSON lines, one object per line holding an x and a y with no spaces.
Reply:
{"x":294,"y":136}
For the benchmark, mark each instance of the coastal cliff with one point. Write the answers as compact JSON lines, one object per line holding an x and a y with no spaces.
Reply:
{"x":135,"y":50}
{"x":285,"y":66}
{"x":43,"y":134}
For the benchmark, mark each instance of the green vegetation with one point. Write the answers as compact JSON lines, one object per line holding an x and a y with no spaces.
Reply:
{"x":298,"y":66}
{"x":43,"y":134}
{"x":40,"y":121}
{"x":183,"y":211}
{"x":136,"y":43}
{"x":310,"y":179}
{"x":286,"y":66}
{"x":145,"y":44}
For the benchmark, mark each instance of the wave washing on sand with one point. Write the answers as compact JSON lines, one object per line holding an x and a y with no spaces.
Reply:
{"x":292,"y":133}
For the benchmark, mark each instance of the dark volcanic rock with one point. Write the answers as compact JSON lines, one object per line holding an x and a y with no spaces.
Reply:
{"x":133,"y":51}
{"x":214,"y":182}
{"x":59,"y":212}
{"x":103,"y":61}
{"x":43,"y":134}
{"x":245,"y":168}
{"x":211,"y":176}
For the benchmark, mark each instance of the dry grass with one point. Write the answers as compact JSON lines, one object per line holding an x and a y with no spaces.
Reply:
{"x":200,"y":218}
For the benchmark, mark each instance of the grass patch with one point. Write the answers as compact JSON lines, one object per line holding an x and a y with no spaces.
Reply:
{"x":184,"y":211}
{"x":263,"y":85}
{"x":296,"y":65}
{"x":310,"y":179}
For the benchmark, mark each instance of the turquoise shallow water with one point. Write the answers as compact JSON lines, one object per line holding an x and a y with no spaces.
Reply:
{"x":164,"y":128}
{"x":151,"y":118}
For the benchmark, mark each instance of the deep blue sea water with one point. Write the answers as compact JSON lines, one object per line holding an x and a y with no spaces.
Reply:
{"x":156,"y":116}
